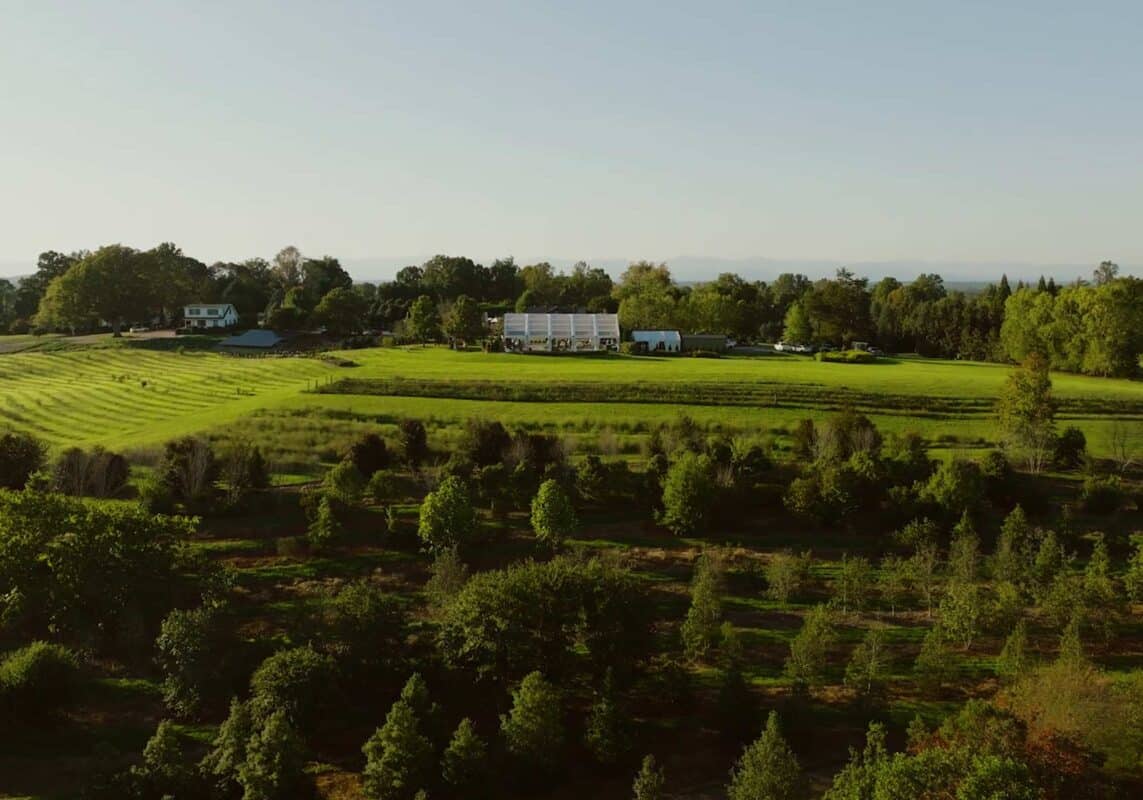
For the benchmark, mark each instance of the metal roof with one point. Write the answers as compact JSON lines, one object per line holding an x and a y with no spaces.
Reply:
{"x":253,"y":338}
{"x":561,"y":326}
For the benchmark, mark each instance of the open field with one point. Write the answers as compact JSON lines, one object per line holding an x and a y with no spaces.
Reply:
{"x":131,"y":397}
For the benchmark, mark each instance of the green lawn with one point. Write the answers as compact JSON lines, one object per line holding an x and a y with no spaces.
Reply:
{"x":131,"y":397}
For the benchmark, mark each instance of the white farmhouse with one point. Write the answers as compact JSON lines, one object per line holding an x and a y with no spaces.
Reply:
{"x":210,"y":315}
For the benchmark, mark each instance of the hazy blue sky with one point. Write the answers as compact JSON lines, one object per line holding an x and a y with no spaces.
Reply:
{"x":949,"y":131}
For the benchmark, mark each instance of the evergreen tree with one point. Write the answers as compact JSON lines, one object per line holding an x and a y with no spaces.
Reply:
{"x":1049,"y":561}
{"x":807,"y":661}
{"x":858,"y":779}
{"x":533,"y":730}
{"x":736,"y":707}
{"x":964,"y":550}
{"x":1012,"y":662}
{"x":933,"y":666}
{"x":397,"y":756}
{"x":607,"y":735}
{"x":1010,"y":562}
{"x":651,"y":782}
{"x":222,"y":762}
{"x":1134,"y":577}
{"x":700,"y":628}
{"x":325,"y":528}
{"x":164,"y":771}
{"x":1071,"y":645}
{"x":447,"y":518}
{"x":961,"y":611}
{"x":767,"y":770}
{"x":464,"y":765}
{"x":273,"y":769}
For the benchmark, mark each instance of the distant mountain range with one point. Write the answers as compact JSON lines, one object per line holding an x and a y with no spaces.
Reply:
{"x":963,"y":275}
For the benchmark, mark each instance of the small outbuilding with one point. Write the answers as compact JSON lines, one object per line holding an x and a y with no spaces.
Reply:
{"x":657,"y":341}
{"x":253,"y":341}
{"x":561,"y":333}
{"x":707,"y":342}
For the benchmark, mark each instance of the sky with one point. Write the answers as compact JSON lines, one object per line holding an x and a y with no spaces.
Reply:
{"x":968,"y":133}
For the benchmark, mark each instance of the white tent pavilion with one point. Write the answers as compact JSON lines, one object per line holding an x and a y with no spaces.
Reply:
{"x":561,"y":333}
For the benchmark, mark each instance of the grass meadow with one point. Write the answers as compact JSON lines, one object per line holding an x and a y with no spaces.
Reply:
{"x":303,"y":411}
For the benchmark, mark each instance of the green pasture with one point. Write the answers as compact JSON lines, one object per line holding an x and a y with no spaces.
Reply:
{"x":134,"y":397}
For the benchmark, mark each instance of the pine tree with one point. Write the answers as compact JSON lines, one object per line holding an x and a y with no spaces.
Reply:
{"x":961,"y":611}
{"x":164,"y":771}
{"x":767,"y":770}
{"x":1012,"y":662}
{"x":533,"y":730}
{"x":933,"y":665}
{"x":1071,"y":645}
{"x":806,"y":663}
{"x":650,"y":782}
{"x":397,"y":756}
{"x":274,"y":761}
{"x":858,"y":779}
{"x":700,"y":628}
{"x":1049,"y":561}
{"x":607,"y":734}
{"x":964,"y":550}
{"x":226,"y":756}
{"x":736,"y":707}
{"x":464,"y":765}
{"x":325,"y":528}
{"x":1010,"y":562}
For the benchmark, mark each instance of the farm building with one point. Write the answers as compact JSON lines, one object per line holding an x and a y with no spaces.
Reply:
{"x":657,"y":341}
{"x":561,"y":333}
{"x":257,"y":341}
{"x":710,"y":342}
{"x":210,"y":315}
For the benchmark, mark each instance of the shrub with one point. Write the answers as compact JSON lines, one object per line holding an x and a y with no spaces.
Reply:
{"x":368,"y":453}
{"x":414,"y":442}
{"x":1102,"y":495}
{"x":846,"y":357}
{"x":296,"y":682}
{"x":553,"y":517}
{"x":483,"y":442}
{"x":21,"y":454}
{"x":191,"y":648}
{"x":447,"y":518}
{"x":651,"y":781}
{"x":345,"y":483}
{"x":957,"y":486}
{"x":1070,"y":448}
{"x":37,"y":679}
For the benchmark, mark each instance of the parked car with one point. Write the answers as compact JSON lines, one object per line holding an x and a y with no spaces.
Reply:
{"x":827,"y":348}
{"x":875,"y":351}
{"x":139,"y":329}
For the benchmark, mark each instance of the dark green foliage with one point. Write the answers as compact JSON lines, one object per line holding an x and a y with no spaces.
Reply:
{"x":37,"y":680}
{"x":690,"y":494}
{"x":227,"y":754}
{"x":398,"y":757}
{"x":1102,"y":494}
{"x":736,"y":708}
{"x":193,"y":647}
{"x":344,"y":483}
{"x":1012,"y":559}
{"x":1013,"y":661}
{"x":365,"y":629}
{"x":164,"y":771}
{"x":956,"y":487}
{"x":243,"y":469}
{"x":368,"y":453}
{"x":447,"y":517}
{"x":21,"y":454}
{"x":699,"y":630}
{"x":449,"y":574}
{"x":1070,"y":449}
{"x":767,"y":770}
{"x":809,"y":650}
{"x":98,"y":573}
{"x":298,"y":682}
{"x":505,"y":623}
{"x":933,"y":667}
{"x":533,"y":730}
{"x":464,"y":765}
{"x":99,"y":473}
{"x":607,"y":735}
{"x":273,"y":769}
{"x":188,"y":470}
{"x":483,"y":442}
{"x":414,"y":442}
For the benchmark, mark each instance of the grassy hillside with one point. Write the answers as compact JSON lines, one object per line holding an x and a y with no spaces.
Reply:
{"x":128,"y":397}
